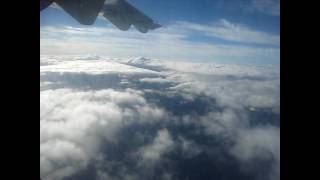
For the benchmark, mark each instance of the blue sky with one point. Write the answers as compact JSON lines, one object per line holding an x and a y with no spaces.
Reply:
{"x":235,"y":31}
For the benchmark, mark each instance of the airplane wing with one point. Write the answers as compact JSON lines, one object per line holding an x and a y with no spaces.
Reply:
{"x":123,"y":15}
{"x":84,"y":11}
{"x":118,"y":12}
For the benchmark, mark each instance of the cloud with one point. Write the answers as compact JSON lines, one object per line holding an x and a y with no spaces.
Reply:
{"x":233,"y":32}
{"x":75,"y":124}
{"x":160,"y":145}
{"x":155,"y":80}
{"x":139,"y":118}
{"x":270,"y":7}
{"x":171,"y":42}
{"x":259,"y":144}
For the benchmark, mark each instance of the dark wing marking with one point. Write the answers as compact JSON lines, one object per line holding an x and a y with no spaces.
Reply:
{"x":84,"y":11}
{"x":44,"y":4}
{"x":123,"y":15}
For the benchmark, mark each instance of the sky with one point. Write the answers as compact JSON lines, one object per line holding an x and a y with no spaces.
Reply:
{"x":228,"y":31}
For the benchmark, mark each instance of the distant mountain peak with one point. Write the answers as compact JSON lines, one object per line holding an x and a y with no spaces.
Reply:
{"x":139,"y":60}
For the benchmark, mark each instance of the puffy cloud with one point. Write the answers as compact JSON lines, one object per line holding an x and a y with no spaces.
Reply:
{"x":110,"y":118}
{"x":75,"y":124}
{"x":259,"y":145}
{"x":161,"y":144}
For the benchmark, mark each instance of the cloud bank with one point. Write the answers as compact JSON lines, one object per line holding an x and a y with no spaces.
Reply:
{"x":139,"y":118}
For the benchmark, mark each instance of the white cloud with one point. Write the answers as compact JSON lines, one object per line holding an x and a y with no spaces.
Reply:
{"x":235,"y":86}
{"x":127,"y":125}
{"x":189,"y":147}
{"x":74,"y":64}
{"x":259,"y":144}
{"x":155,"y":80}
{"x":74,"y":125}
{"x":161,"y":144}
{"x":60,"y":158}
{"x":233,"y":32}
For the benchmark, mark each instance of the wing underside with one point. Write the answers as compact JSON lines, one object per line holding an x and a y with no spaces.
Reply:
{"x":123,"y":15}
{"x":84,"y":11}
{"x":118,"y":12}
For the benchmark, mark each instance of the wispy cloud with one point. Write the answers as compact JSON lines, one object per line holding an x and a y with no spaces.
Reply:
{"x":270,"y":7}
{"x":167,"y":43}
{"x":170,"y":42}
{"x":226,"y":30}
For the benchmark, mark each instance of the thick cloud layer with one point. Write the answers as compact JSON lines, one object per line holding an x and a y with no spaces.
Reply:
{"x":104,"y":118}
